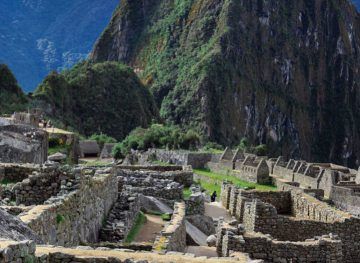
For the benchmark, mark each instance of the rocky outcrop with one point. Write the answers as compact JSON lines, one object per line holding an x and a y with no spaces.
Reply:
{"x":23,"y":144}
{"x":280,"y":73}
{"x":14,"y":229}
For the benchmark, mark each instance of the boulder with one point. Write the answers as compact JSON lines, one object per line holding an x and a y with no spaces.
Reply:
{"x":57,"y":157}
{"x":211,"y":241}
{"x":23,"y":144}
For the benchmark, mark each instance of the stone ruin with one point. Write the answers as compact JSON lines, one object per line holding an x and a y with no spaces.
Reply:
{"x":23,"y":144}
{"x":287,"y":226}
{"x":245,"y":166}
{"x":63,"y":206}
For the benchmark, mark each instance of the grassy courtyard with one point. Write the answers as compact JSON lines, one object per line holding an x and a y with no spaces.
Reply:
{"x":212,"y":181}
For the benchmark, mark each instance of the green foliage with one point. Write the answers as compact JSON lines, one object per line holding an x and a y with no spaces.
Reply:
{"x":261,"y":150}
{"x":186,"y":193}
{"x":60,"y":219}
{"x":139,"y":222}
{"x":244,"y":144}
{"x":166,"y":217}
{"x":101,"y":139}
{"x":11,"y":96}
{"x":97,"y":98}
{"x":215,"y":179}
{"x":213,"y":147}
{"x":7,"y":182}
{"x":157,"y":136}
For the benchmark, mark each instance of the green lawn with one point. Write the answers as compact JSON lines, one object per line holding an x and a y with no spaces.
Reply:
{"x":216,"y":179}
{"x":140,"y":221}
{"x":186,"y":193}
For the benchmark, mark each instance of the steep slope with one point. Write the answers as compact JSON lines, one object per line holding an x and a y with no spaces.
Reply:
{"x":37,"y":36}
{"x":283,"y":73}
{"x":92,"y":98}
{"x":11,"y":96}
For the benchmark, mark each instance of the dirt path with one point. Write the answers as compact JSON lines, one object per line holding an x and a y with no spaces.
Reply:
{"x":216,"y":210}
{"x":202,"y":251}
{"x":149,"y":231}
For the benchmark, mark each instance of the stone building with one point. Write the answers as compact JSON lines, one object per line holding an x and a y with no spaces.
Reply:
{"x":247,"y":167}
{"x":89,"y":148}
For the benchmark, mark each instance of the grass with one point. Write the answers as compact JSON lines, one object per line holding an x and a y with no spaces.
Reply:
{"x":214,"y":184}
{"x":59,"y":219}
{"x":139,"y":222}
{"x":7,"y":181}
{"x":96,"y":163}
{"x":186,"y":193}
{"x":166,"y":217}
{"x":160,"y":163}
{"x":58,"y":149}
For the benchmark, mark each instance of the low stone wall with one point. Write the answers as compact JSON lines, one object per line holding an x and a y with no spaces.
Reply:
{"x":40,"y":186}
{"x":346,"y":197}
{"x":121,"y":218}
{"x":17,"y":251}
{"x":195,"y":159}
{"x":159,"y":185}
{"x":173,"y":236}
{"x":78,"y":216}
{"x":195,"y":205}
{"x":260,"y":246}
{"x":184,"y":176}
{"x":16,"y":172}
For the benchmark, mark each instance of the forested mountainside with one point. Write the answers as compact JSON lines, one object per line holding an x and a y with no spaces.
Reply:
{"x":282,"y":73}
{"x":37,"y":36}
{"x":11,"y":96}
{"x":97,"y":98}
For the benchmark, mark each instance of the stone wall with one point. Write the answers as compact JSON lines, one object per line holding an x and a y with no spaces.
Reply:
{"x":195,"y":159}
{"x":121,"y":218}
{"x":312,"y":175}
{"x":43,"y":184}
{"x":11,"y":172}
{"x":173,"y":236}
{"x":148,"y":183}
{"x":17,"y":251}
{"x":324,"y":249}
{"x":346,"y":197}
{"x":78,"y":216}
{"x":181,"y":174}
{"x":246,"y":167}
{"x":195,"y":205}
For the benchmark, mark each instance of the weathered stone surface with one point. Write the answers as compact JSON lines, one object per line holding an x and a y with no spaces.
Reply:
{"x":57,"y":157}
{"x":23,"y":144}
{"x":211,"y":241}
{"x":13,"y":228}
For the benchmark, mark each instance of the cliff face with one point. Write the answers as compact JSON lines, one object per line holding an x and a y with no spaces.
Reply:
{"x":284,"y":73}
{"x":93,"y":98}
{"x":11,"y":96}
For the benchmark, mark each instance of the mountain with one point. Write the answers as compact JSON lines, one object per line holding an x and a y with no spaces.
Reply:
{"x":281,"y":73}
{"x":357,"y":4}
{"x":37,"y":36}
{"x":97,"y":98}
{"x":11,"y":96}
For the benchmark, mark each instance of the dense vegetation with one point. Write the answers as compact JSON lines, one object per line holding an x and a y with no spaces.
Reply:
{"x":157,"y":136}
{"x":97,"y":98}
{"x":236,"y":68}
{"x":11,"y":96}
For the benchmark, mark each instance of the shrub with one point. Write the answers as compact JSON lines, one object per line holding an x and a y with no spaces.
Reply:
{"x":101,"y":139}
{"x":157,"y":136}
{"x":244,"y":144}
{"x":261,"y":150}
{"x":212,"y":146}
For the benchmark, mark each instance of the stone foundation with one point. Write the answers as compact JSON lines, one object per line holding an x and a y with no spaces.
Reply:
{"x":78,"y":216}
{"x":173,"y":236}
